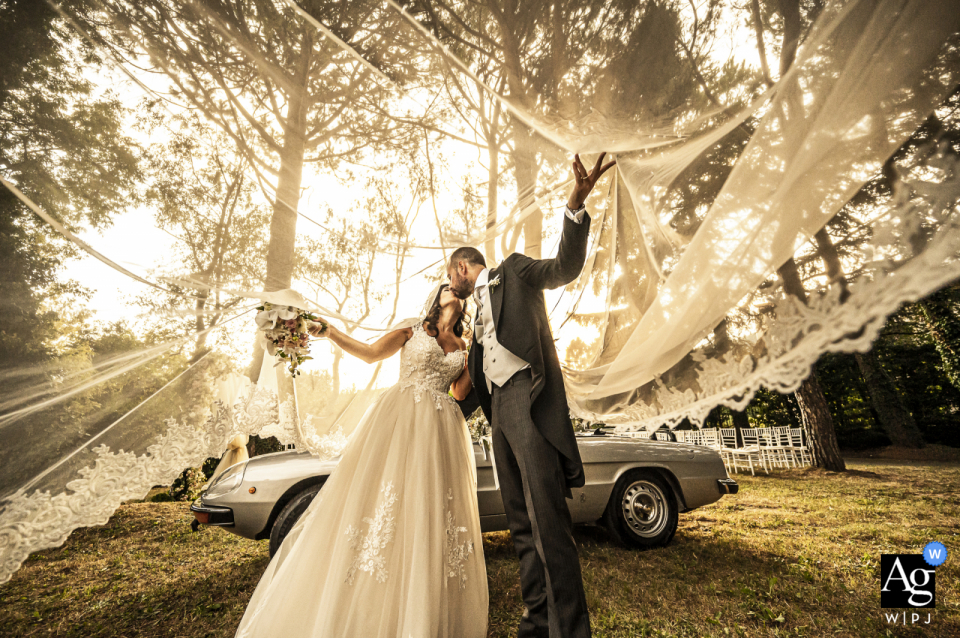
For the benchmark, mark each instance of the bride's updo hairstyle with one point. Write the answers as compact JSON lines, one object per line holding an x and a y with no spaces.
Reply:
{"x":433,"y":315}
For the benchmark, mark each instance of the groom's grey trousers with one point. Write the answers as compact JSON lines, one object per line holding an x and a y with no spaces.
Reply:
{"x":532,"y":487}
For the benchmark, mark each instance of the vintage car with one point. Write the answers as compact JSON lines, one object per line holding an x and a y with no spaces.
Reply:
{"x":634,"y":487}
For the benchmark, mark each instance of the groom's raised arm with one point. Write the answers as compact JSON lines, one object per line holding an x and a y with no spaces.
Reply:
{"x":566,"y":266}
{"x":562,"y":269}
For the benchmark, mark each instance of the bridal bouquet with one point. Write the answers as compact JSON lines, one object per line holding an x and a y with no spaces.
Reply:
{"x":285,"y":330}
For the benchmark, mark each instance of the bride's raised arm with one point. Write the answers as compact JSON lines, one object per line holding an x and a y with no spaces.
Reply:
{"x":383,"y":348}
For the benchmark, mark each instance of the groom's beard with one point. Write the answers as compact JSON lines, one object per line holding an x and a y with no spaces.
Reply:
{"x":461,"y":287}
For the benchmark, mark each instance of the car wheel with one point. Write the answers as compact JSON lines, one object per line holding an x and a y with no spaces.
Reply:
{"x":642,"y":511}
{"x":289,"y":516}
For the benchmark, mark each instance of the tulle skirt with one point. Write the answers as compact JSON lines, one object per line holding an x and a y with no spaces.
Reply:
{"x":391,"y":546}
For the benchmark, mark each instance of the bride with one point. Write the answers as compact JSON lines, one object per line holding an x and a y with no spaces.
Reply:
{"x":391,"y":545}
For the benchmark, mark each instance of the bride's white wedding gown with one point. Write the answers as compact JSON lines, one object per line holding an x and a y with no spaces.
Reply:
{"x":391,"y":545}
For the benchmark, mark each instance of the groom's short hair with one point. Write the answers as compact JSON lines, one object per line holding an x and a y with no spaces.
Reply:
{"x":468,"y":254}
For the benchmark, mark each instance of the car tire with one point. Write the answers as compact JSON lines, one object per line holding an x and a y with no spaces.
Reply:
{"x":289,"y":516}
{"x":642,"y":511}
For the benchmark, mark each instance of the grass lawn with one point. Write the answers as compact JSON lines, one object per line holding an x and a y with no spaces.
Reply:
{"x":796,"y":553}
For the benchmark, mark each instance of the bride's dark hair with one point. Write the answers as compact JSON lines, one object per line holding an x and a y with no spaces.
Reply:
{"x":433,"y":315}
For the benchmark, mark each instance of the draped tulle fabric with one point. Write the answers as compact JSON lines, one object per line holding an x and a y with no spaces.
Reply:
{"x":391,"y":545}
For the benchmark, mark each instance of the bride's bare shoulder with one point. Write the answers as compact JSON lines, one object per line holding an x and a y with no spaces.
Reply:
{"x":402,"y":334}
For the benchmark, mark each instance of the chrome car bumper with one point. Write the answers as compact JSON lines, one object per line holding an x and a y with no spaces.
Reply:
{"x":728,"y":486}
{"x":209,"y":515}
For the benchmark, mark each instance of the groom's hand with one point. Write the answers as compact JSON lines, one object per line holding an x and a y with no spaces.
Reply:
{"x":585,"y":181}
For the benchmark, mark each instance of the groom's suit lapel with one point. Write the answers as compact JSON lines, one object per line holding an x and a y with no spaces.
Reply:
{"x":496,"y":295}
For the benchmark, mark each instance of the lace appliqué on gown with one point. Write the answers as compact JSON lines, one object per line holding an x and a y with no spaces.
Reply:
{"x":457,"y":553}
{"x":426,"y":368}
{"x":368,"y":547}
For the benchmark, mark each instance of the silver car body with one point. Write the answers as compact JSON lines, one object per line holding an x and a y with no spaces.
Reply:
{"x":695,"y":473}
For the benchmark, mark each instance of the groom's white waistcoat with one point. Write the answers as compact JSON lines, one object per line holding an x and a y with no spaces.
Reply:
{"x":499,"y":364}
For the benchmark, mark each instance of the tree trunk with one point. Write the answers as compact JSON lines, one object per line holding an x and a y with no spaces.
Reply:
{"x":722,"y":340}
{"x":199,"y":348}
{"x":818,"y":423}
{"x":490,"y":246}
{"x":524,"y":152}
{"x":885,"y":395}
{"x":525,"y":169}
{"x":761,"y":49}
{"x":335,"y":371}
{"x":740,"y":422}
{"x":790,"y":12}
{"x":894,"y":416}
{"x":814,"y":412}
{"x":283,"y":223}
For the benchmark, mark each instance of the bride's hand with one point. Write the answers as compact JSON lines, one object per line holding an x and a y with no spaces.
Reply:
{"x":318,"y":329}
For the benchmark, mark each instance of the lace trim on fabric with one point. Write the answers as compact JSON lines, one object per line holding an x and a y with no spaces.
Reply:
{"x":427,"y":369}
{"x":457,"y":553}
{"x":32,"y":522}
{"x":370,"y":545}
{"x":424,"y":386}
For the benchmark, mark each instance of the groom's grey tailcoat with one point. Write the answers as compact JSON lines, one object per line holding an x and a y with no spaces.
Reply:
{"x":533,"y":442}
{"x":523,"y":328}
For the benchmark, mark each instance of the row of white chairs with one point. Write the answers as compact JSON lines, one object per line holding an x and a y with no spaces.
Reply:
{"x":659,"y":436}
{"x":762,"y":447}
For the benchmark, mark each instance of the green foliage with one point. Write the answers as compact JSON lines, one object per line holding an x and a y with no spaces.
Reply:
{"x":930,"y":397}
{"x":188,"y":484}
{"x":62,"y":144}
{"x":941,"y":313}
{"x":265,"y":445}
{"x":854,"y":418}
{"x":198,"y":190}
{"x":909,"y":352}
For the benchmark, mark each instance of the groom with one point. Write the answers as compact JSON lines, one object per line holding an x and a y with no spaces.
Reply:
{"x":517,"y":380}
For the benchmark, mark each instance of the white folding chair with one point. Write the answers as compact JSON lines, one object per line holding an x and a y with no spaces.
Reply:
{"x":728,"y":446}
{"x":751,"y":449}
{"x":797,"y":444}
{"x":782,"y":435}
{"x":771,"y":448}
{"x":711,"y":438}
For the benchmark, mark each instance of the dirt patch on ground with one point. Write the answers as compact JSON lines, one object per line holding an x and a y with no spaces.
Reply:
{"x":818,"y":473}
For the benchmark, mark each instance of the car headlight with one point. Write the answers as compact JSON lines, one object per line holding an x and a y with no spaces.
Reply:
{"x":230,"y":480}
